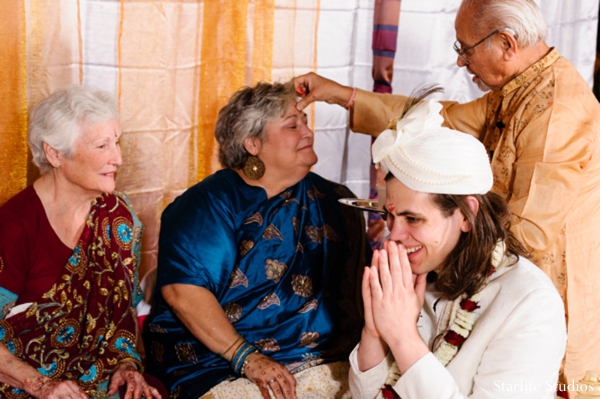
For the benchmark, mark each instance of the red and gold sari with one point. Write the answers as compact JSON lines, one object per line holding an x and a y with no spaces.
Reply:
{"x":84,"y":326}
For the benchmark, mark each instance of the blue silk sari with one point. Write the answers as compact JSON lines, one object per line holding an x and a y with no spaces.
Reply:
{"x":286,"y":271}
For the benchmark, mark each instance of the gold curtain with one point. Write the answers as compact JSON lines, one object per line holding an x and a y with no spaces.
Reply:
{"x":172,"y":64}
{"x":188,"y":57}
{"x":13,"y":99}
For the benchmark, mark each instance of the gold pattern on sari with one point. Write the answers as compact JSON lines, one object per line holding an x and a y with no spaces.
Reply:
{"x":267,"y":344}
{"x":314,"y":233}
{"x":158,"y":351}
{"x":233,"y":311}
{"x":272,"y":232}
{"x":255,"y":218}
{"x":309,"y":339}
{"x":302,"y":285}
{"x":275,"y":270}
{"x":238,"y":278}
{"x":246,"y":246}
{"x":270,"y":299}
{"x":185,"y":353}
{"x":308,"y":306}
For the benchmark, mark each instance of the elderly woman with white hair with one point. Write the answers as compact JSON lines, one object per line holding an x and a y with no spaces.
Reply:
{"x":69,"y":251}
{"x":453,"y":308}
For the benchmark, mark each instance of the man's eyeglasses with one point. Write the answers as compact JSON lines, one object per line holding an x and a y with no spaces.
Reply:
{"x":462,"y":52}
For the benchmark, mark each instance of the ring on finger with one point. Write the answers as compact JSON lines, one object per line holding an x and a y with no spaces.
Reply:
{"x":271,"y":380}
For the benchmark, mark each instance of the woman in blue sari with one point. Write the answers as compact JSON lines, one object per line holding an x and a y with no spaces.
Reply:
{"x":258,"y":265}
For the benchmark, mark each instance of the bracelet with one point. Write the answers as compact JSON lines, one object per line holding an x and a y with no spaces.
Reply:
{"x":350,"y":104}
{"x":240,"y":355}
{"x":135,"y":361}
{"x":237,"y":352}
{"x":237,"y":347}
{"x":220,"y":354}
{"x":246,"y":361}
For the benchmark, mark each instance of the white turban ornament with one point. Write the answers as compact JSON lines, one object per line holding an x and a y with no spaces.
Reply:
{"x":426,"y":157}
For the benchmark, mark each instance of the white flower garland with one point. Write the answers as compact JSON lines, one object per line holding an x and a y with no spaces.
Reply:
{"x":461,"y":322}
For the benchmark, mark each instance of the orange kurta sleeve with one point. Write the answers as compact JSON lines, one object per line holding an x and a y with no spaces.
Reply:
{"x":468,"y":117}
{"x":373,"y":111}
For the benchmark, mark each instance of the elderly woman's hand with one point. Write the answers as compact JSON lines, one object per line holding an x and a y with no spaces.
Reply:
{"x":267,"y":374}
{"x":47,"y":388}
{"x":137,"y":387}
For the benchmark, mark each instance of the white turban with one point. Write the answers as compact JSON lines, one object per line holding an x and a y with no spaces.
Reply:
{"x":429,"y":158}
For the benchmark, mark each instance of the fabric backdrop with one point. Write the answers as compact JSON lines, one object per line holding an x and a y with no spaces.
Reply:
{"x":173,"y":63}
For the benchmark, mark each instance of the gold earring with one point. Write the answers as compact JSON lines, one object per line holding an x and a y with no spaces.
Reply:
{"x":254,"y":168}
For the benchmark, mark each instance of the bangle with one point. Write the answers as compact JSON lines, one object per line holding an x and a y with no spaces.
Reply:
{"x":350,"y":104}
{"x":135,"y":361}
{"x":240,"y":355}
{"x":246,"y":361}
{"x":237,"y":352}
{"x":237,"y":347}
{"x":220,"y":354}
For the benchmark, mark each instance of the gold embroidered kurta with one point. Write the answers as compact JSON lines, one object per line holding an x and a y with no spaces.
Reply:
{"x":541,"y":131}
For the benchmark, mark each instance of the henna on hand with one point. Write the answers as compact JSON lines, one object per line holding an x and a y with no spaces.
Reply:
{"x":268,"y":374}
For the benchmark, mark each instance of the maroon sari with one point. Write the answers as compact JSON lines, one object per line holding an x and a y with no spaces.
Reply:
{"x":84,"y":326}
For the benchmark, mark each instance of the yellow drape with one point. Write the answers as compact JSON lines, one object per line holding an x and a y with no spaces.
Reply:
{"x":186,"y":58}
{"x":262,"y":55}
{"x":172,"y":64}
{"x":221,"y":68}
{"x":13,"y":99}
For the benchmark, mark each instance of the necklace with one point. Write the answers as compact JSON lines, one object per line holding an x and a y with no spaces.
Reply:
{"x":462,"y":320}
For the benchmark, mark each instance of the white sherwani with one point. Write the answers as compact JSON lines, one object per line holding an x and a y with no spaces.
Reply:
{"x":514,"y":350}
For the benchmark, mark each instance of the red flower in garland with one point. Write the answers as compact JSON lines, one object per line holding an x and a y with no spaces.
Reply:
{"x":388,"y":392}
{"x":469,"y":305}
{"x":454,"y":338}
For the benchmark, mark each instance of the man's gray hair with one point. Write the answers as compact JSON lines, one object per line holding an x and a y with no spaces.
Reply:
{"x":246,"y":115}
{"x":59,"y":119}
{"x":522,"y":16}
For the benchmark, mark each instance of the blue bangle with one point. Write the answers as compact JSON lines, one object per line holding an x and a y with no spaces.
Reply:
{"x":240,"y":360}
{"x":246,"y":360}
{"x":240,"y":356}
{"x":237,"y":353}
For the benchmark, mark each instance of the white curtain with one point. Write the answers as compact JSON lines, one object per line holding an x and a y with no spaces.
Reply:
{"x":424,"y":56}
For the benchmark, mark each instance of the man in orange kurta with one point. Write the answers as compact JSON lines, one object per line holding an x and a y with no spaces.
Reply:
{"x":541,"y":125}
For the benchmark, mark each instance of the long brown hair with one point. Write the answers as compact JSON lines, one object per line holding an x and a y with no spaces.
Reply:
{"x":468,"y":266}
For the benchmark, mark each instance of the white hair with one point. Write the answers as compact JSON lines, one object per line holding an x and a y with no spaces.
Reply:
{"x":521,"y":16}
{"x":59,"y":119}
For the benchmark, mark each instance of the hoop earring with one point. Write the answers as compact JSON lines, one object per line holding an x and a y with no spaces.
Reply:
{"x":254,"y":168}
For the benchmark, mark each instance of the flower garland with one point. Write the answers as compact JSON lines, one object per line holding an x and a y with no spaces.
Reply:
{"x":462,"y":320}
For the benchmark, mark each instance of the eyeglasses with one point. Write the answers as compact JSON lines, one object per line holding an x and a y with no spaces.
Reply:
{"x":462,"y":53}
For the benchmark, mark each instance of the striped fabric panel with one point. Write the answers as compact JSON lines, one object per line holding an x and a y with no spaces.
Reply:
{"x":385,"y":34}
{"x":384,"y":39}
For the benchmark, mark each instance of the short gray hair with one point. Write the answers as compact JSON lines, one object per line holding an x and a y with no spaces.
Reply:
{"x":59,"y":119}
{"x":246,"y":115}
{"x":521,"y":16}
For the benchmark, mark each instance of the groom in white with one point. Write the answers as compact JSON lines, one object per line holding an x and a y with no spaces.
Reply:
{"x":453,"y":308}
